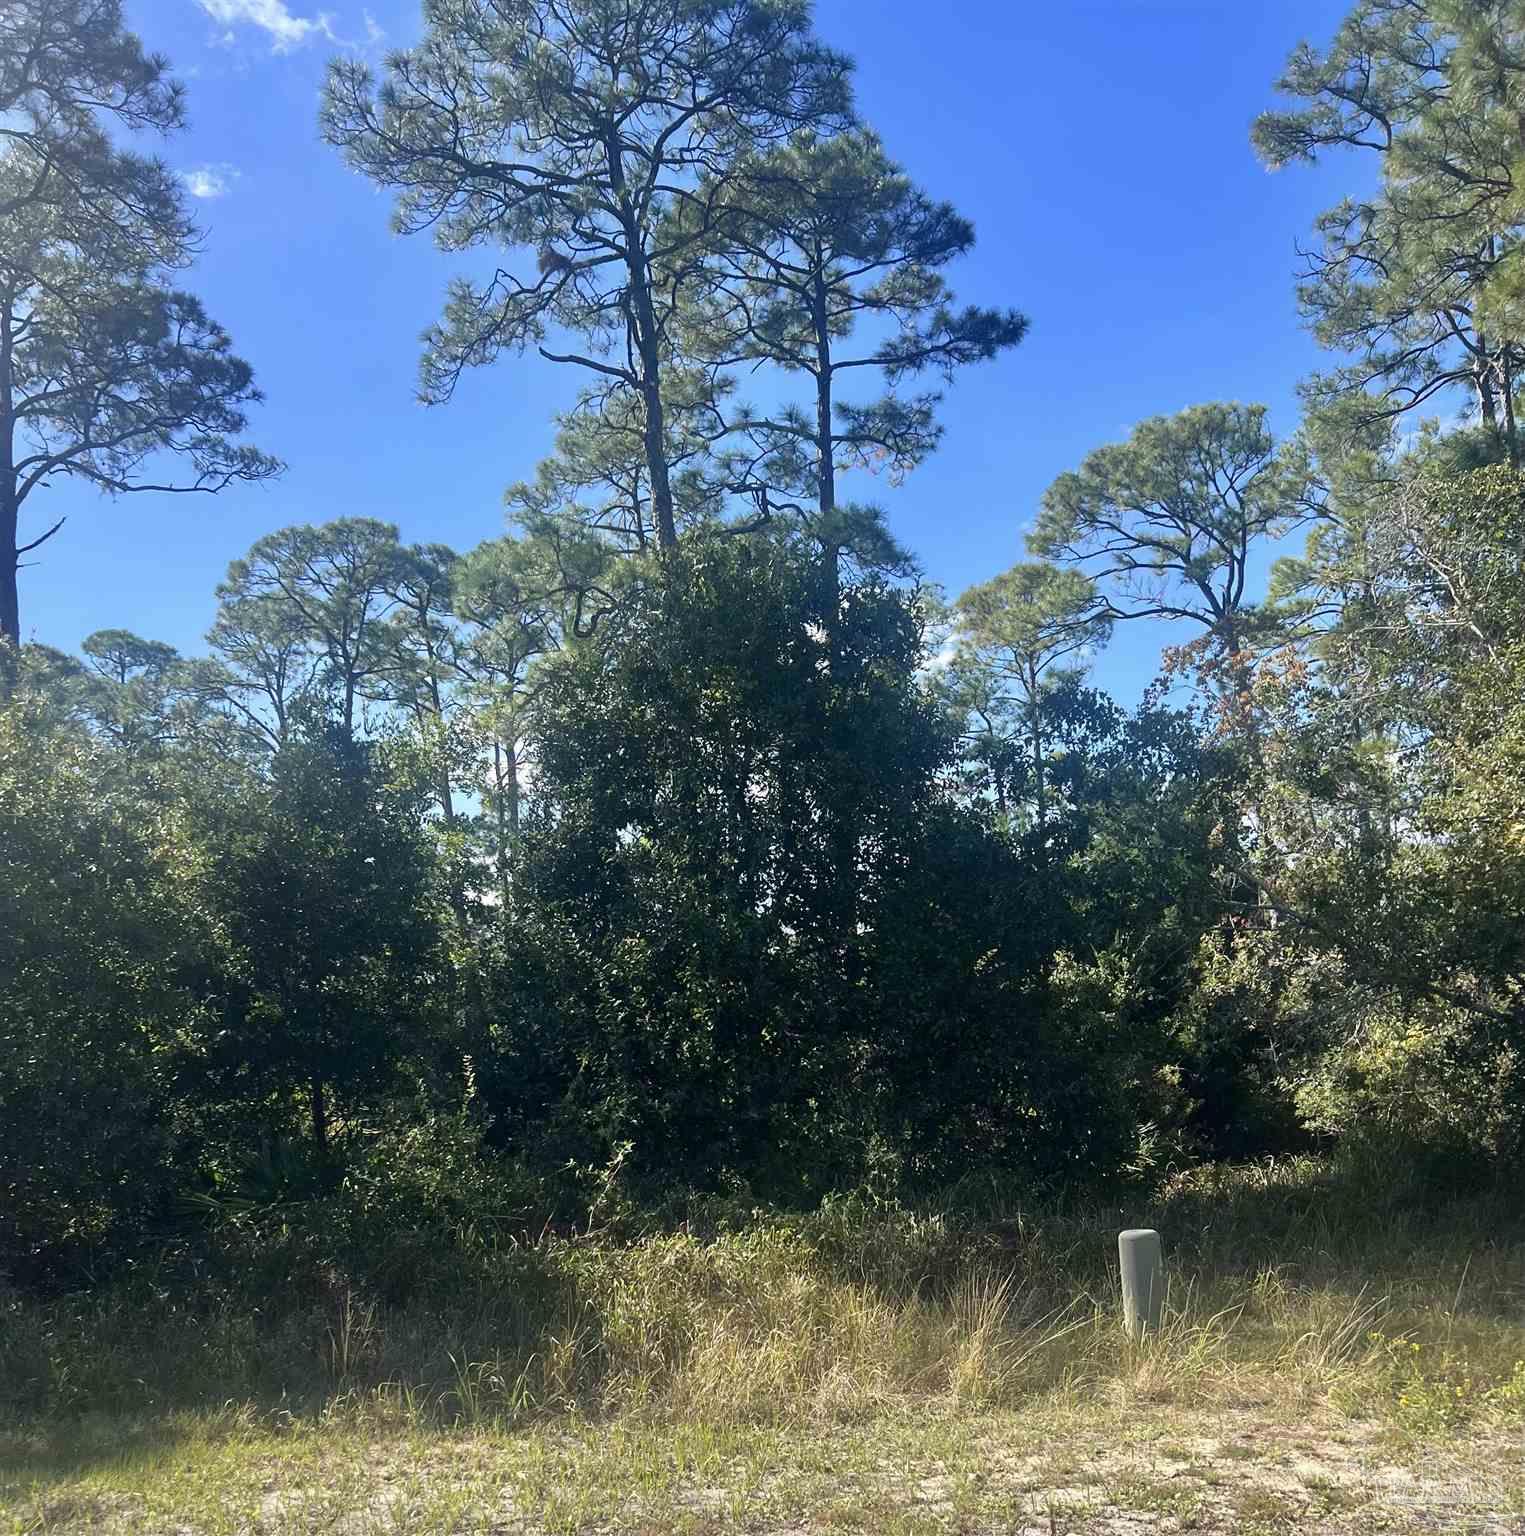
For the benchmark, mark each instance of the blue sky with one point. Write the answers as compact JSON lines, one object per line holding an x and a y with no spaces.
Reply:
{"x":1100,"y":147}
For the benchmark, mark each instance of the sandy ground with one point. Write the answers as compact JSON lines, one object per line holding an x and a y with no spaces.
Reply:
{"x":1226,"y":1471}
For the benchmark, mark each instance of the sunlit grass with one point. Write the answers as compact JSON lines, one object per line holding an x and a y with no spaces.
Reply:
{"x":862,"y":1365}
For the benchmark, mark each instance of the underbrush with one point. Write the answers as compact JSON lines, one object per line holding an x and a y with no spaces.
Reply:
{"x":1294,"y":1282}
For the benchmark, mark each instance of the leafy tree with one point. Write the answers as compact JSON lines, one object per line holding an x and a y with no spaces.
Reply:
{"x":1358,"y":467}
{"x":104,"y":938}
{"x":261,"y":669}
{"x":143,"y":700}
{"x":426,"y":652}
{"x":568,"y":127}
{"x":53,"y":683}
{"x":1137,"y":891}
{"x":68,"y":69}
{"x":1392,"y":846}
{"x":136,"y":688}
{"x":516,"y":602}
{"x":324,"y":882}
{"x":597,"y":483}
{"x":1422,"y":279}
{"x":1167,"y":521}
{"x":816,"y":237}
{"x":120,"y":656}
{"x":329,"y":589}
{"x":1014,"y":633}
{"x":683,"y":976}
{"x":104,"y":367}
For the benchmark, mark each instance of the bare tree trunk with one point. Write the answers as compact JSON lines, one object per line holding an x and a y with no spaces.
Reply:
{"x":513,"y":787}
{"x":655,"y":438}
{"x":446,"y":794}
{"x":505,"y":771}
{"x":500,"y":831}
{"x":1505,"y":382}
{"x":1506,"y":389}
{"x":443,"y":791}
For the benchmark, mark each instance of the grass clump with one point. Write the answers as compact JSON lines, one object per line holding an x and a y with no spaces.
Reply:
{"x":725,"y":1348}
{"x":1286,"y":1280}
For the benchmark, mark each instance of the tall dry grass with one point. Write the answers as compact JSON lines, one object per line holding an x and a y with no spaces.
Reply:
{"x":1290,"y":1284}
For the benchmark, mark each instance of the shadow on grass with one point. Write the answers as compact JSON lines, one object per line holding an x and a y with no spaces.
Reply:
{"x":528,"y":1331}
{"x":61,"y":1451}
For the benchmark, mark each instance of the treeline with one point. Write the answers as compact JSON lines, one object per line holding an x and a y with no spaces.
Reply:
{"x":683,"y":840}
{"x":770,"y":907}
{"x":752,"y":916}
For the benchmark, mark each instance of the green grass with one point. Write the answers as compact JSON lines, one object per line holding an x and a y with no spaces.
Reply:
{"x":1336,"y":1354}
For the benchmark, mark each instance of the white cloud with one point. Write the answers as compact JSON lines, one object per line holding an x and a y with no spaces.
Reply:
{"x":286,"y":30}
{"x":209,"y":180}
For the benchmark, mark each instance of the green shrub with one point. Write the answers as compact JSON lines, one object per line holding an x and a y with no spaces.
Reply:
{"x":103,"y":935}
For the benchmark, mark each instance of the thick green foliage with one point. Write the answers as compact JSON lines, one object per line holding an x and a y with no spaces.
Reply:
{"x":103,"y":935}
{"x":1415,"y":282}
{"x":1396,"y":773}
{"x":765,"y":943}
{"x":325,"y":884}
{"x":656,"y":859}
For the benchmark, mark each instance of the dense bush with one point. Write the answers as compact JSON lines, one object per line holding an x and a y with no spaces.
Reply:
{"x":1390,"y":844}
{"x":325,"y":884}
{"x":104,"y":940}
{"x":766,"y":946}
{"x":760,"y":922}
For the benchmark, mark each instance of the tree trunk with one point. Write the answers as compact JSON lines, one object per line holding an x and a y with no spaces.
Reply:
{"x":10,"y":611}
{"x":825,"y":457}
{"x":1505,"y":382}
{"x":10,"y":607}
{"x":458,"y":873}
{"x":654,"y":437}
{"x":505,"y":796}
{"x":1506,"y":389}
{"x":642,"y":320}
{"x":844,"y":835}
{"x":1035,"y":727}
{"x":502,"y":832}
{"x":513,"y":787}
{"x":437,"y":706}
{"x":1482,"y":374}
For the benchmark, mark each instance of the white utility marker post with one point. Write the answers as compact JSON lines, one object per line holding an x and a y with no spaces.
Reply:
{"x":1138,"y":1257}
